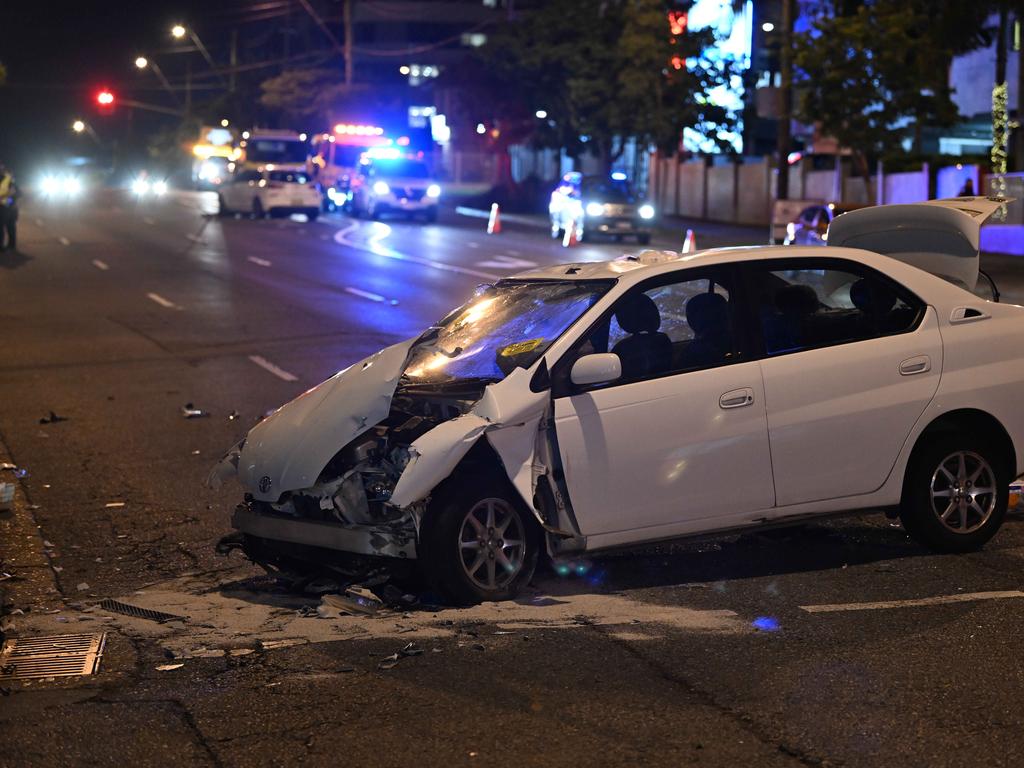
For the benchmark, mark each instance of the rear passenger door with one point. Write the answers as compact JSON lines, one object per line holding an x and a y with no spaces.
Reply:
{"x":851,"y":360}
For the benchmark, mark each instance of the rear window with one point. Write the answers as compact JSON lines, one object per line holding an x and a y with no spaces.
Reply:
{"x":289,"y":177}
{"x":607,"y":191}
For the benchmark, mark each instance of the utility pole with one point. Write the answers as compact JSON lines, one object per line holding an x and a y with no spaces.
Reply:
{"x":348,"y":44}
{"x":188,"y":88}
{"x":1018,"y":45}
{"x":785,"y":101}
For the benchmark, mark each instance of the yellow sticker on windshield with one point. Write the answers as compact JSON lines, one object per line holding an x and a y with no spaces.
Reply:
{"x":520,"y":347}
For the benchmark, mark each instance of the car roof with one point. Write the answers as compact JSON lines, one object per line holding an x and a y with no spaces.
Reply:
{"x":630,"y":269}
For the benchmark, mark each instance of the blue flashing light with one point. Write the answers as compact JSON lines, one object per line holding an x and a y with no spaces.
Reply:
{"x":767,"y":624}
{"x":618,"y":176}
{"x":384,"y":153}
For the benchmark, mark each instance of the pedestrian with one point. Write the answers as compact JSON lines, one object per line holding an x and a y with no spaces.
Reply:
{"x":967,"y":190}
{"x":8,"y":210}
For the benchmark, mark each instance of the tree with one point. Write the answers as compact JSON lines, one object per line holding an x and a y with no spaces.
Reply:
{"x":3,"y":73}
{"x":317,"y":95}
{"x":603,"y":72}
{"x":867,"y":75}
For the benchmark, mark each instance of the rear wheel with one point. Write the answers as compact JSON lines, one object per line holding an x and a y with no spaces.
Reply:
{"x":479,"y":543}
{"x":312,"y":214}
{"x":955,"y":494}
{"x":257,"y":208}
{"x":222,"y":208}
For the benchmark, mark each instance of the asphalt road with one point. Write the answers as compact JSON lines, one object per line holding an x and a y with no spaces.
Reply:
{"x":840,"y":643}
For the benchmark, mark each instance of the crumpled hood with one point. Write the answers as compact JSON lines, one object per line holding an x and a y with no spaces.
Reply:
{"x":288,"y":449}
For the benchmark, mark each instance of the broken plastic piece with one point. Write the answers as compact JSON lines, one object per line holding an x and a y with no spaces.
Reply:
{"x":53,"y":418}
{"x":168,"y":667}
{"x":234,"y":415}
{"x":189,"y":411}
{"x":6,"y":496}
{"x":7,"y":465}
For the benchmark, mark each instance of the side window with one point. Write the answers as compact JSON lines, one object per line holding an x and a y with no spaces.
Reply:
{"x":803,"y":308}
{"x":668,"y":329}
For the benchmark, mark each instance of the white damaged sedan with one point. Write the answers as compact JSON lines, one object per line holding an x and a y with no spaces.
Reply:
{"x":587,"y":406}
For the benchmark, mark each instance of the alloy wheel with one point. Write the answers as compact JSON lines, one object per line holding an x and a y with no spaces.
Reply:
{"x":963,"y":492}
{"x":492,"y":544}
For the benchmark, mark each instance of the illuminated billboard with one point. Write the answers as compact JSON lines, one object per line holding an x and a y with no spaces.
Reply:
{"x":731,"y":23}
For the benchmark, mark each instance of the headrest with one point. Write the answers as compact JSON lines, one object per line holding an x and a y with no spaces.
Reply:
{"x":797,"y":300}
{"x":638,"y":314}
{"x":872,"y":297}
{"x":707,"y":311}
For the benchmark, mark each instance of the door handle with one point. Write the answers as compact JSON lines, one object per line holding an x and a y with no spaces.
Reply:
{"x":737,"y":398}
{"x":912,"y":365}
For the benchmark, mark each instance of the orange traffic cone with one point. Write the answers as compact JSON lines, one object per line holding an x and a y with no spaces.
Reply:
{"x":494,"y":221}
{"x":571,"y":235}
{"x":690,"y":243}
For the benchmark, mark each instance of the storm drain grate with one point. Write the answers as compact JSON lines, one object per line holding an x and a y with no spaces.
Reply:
{"x":116,"y":606}
{"x":24,"y":658}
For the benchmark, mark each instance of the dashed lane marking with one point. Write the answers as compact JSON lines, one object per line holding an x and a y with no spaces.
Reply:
{"x":100,"y":264}
{"x":473,"y":244}
{"x":161,"y":300}
{"x":259,"y":261}
{"x":63,"y":240}
{"x":368,"y":295}
{"x":966,"y":597}
{"x":266,"y":365}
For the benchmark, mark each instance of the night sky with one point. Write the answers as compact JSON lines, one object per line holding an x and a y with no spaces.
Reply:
{"x":59,"y":54}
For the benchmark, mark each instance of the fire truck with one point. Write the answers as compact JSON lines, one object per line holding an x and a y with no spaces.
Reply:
{"x":334,"y":158}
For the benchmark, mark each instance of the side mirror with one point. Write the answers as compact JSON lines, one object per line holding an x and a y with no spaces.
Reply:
{"x":596,"y":369}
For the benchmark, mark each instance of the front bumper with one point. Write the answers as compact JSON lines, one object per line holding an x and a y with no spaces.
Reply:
{"x":385,"y":541}
{"x":406,"y":204}
{"x":617,"y":225}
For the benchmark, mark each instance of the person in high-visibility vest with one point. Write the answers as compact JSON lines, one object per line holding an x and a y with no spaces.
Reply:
{"x":8,"y":210}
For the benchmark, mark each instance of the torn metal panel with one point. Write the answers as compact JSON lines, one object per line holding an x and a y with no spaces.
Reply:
{"x":287,"y":450}
{"x":435,"y":455}
{"x":516,"y":445}
{"x":386,"y":540}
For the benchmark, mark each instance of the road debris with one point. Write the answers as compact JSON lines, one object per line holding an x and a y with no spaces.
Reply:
{"x":189,"y":411}
{"x":113,"y":504}
{"x":53,"y":418}
{"x":234,"y":415}
{"x":6,"y":465}
{"x":168,"y":667}
{"x":409,"y":649}
{"x":126,"y":609}
{"x":82,"y":586}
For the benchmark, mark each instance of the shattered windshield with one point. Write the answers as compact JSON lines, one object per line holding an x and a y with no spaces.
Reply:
{"x":503,"y":327}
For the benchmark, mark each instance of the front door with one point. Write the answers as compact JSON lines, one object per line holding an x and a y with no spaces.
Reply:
{"x":682,"y":436}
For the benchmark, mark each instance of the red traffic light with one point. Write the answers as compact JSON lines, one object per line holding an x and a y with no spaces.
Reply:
{"x":105,"y":98}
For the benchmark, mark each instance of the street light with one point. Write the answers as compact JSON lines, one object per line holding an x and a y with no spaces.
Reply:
{"x":141,"y":62}
{"x":225,"y":123}
{"x":541,"y":114}
{"x":177,"y":31}
{"x":768,"y":27}
{"x":78,"y":126}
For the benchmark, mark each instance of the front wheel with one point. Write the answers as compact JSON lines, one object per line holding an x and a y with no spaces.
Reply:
{"x":479,"y":543}
{"x":955,"y":494}
{"x":312,"y":214}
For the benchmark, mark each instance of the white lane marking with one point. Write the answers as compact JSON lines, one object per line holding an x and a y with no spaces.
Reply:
{"x":506,"y":262}
{"x":261,"y":262}
{"x":940,"y":600}
{"x":473,"y":244}
{"x":100,"y":264}
{"x":514,"y":253}
{"x":266,"y":365}
{"x":161,"y":300}
{"x":376,"y":248}
{"x":365,"y":294}
{"x":63,"y":240}
{"x":476,"y":213}
{"x":342,"y":232}
{"x":148,"y":220}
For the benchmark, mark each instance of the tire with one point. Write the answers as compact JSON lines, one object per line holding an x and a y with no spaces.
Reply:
{"x":312,"y":214}
{"x":643,"y":239}
{"x":222,"y":209}
{"x":431,"y":217}
{"x":257,"y":208}
{"x":936,"y":479}
{"x":448,"y":565}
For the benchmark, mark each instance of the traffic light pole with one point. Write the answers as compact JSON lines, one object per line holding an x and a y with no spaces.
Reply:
{"x":786,"y":99}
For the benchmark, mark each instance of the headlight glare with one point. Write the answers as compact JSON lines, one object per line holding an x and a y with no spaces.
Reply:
{"x":381,"y":188}
{"x":595,"y":209}
{"x":434,"y":190}
{"x":646,"y":211}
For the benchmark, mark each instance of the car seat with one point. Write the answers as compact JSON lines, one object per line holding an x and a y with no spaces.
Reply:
{"x":707,"y":314}
{"x":646,"y":351}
